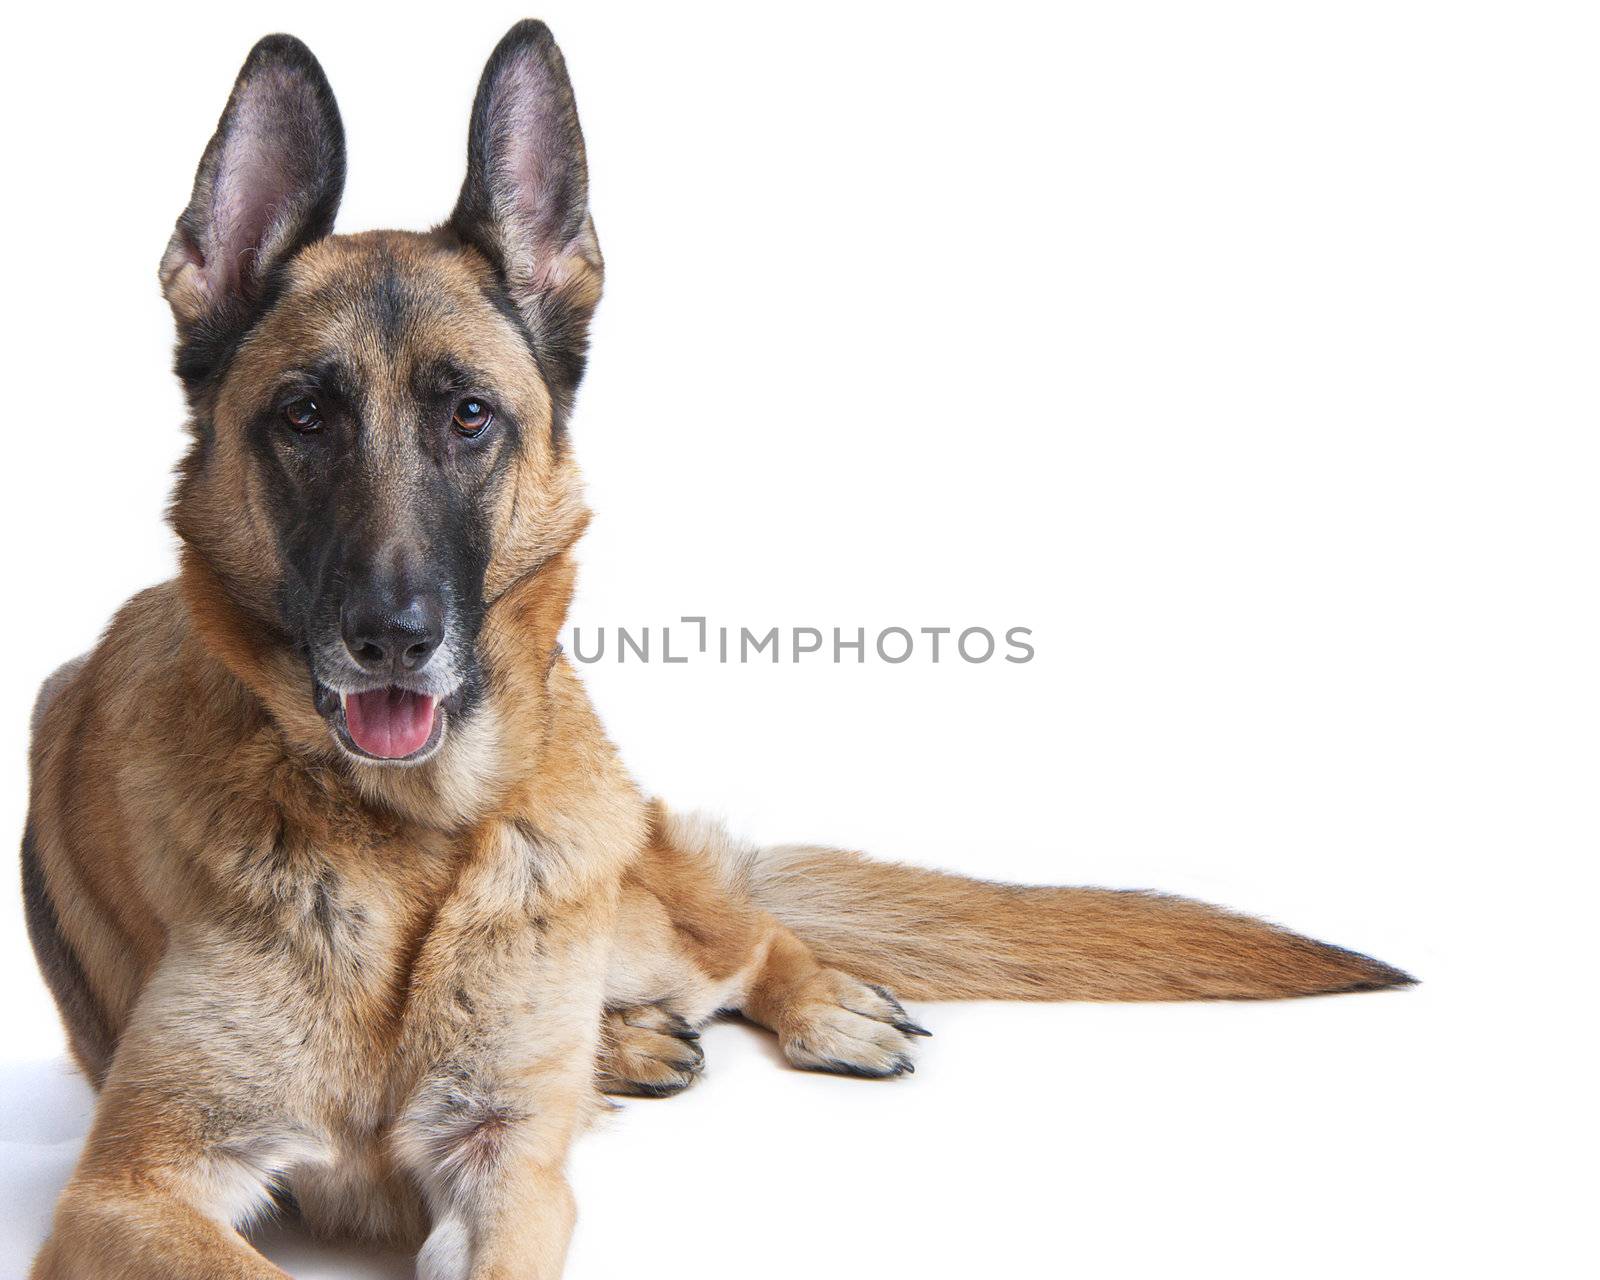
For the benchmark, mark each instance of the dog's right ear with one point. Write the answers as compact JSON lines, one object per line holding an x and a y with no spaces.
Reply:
{"x":268,"y":184}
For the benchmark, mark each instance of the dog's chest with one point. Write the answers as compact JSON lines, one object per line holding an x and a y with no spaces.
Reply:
{"x":369,"y":956}
{"x":368,"y":978}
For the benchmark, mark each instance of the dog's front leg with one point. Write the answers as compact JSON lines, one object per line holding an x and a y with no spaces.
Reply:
{"x":121,"y":1229}
{"x":195,"y":1126}
{"x":509,"y":1044}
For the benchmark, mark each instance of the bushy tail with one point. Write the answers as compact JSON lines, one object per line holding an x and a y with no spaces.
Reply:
{"x":932,"y":936}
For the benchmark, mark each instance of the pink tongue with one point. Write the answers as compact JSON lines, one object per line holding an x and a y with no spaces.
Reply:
{"x":389,"y":723}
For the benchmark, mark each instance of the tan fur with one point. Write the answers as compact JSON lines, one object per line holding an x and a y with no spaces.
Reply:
{"x":940,"y":937}
{"x":393,"y":992}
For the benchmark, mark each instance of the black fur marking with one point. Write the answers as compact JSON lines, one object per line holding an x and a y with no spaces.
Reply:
{"x":560,"y":404}
{"x":638,"y":1089}
{"x":92,"y":1037}
{"x":323,"y":908}
{"x":392,"y":304}
{"x":836,"y":1067}
{"x":335,"y":509}
{"x":497,"y":297}
{"x":207,"y":347}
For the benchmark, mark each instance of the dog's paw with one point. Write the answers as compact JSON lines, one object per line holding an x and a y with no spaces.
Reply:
{"x":849,"y":1028}
{"x":646,"y":1052}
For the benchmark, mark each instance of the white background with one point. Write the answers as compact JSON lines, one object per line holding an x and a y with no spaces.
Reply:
{"x":1244,"y":352}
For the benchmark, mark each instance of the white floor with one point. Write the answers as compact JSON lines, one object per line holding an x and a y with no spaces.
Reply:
{"x":1378,"y":1135}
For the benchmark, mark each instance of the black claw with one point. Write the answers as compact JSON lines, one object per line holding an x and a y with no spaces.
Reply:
{"x":696,"y":1060}
{"x":902,"y":1022}
{"x":889,"y":996}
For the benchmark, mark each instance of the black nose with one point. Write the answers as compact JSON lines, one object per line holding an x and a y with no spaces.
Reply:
{"x":386,"y":636}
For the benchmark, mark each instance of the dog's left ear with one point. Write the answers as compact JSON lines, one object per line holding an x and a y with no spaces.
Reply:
{"x":525,"y":201}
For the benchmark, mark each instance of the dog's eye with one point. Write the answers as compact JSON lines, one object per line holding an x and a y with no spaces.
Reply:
{"x":304,"y":415}
{"x":471,"y":417}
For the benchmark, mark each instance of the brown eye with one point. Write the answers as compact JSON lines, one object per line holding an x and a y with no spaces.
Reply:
{"x":471,"y":417}
{"x":303,"y":415}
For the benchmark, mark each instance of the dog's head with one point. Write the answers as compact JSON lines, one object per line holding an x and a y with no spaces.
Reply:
{"x":378,"y":419}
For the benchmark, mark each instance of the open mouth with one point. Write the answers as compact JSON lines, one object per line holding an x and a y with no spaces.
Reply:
{"x":390,"y":724}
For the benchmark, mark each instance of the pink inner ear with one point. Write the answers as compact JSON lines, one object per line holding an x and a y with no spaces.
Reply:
{"x":531,"y":125}
{"x":255,"y":179}
{"x":519,"y":126}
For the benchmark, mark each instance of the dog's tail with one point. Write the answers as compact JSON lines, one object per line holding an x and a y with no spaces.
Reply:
{"x":931,"y":936}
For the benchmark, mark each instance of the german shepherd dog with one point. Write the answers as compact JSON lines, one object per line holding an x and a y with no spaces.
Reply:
{"x":349,"y":906}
